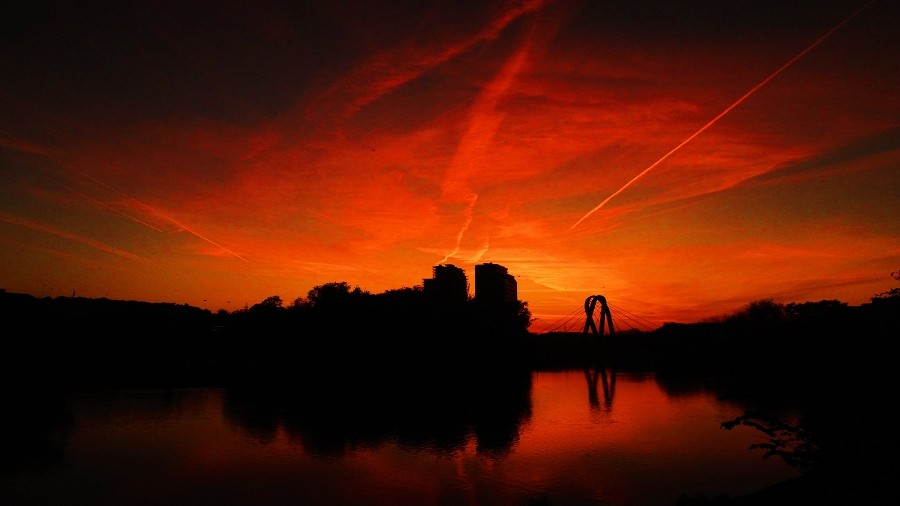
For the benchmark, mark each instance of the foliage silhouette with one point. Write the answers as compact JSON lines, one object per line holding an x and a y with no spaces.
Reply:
{"x":841,"y":436}
{"x":829,"y":363}
{"x":793,"y":443}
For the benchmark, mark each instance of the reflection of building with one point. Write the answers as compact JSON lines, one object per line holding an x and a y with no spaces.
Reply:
{"x":494,"y":285}
{"x":447,"y":285}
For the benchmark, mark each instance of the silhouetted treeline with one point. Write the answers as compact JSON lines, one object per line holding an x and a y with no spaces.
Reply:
{"x":799,"y":341}
{"x":782,"y":339}
{"x":818,"y":379}
{"x":81,"y":341}
{"x":827,"y":364}
{"x":107,"y":342}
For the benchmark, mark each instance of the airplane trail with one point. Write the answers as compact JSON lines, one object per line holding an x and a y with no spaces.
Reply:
{"x":48,"y":229}
{"x":148,"y":207}
{"x":130,"y":217}
{"x":723,"y":113}
{"x":472,"y":199}
{"x":182,"y":226}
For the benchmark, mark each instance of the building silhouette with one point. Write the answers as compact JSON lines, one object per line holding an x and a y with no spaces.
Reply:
{"x":494,"y":286}
{"x":448,"y":285}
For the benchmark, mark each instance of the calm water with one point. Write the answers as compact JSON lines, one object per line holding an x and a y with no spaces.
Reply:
{"x":565,"y":438}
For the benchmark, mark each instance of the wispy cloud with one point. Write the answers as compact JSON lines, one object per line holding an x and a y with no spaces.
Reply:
{"x":389,"y":69}
{"x":87,"y":241}
{"x":728,"y":109}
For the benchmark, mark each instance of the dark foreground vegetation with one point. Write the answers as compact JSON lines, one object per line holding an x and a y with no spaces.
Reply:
{"x":819,"y":380}
{"x":818,"y":377}
{"x":832,"y":365}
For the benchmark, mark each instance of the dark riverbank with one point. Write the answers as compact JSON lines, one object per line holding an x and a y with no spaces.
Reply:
{"x":832,"y":363}
{"x":805,"y":354}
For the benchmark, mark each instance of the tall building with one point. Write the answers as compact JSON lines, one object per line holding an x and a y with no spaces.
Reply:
{"x":494,"y":285}
{"x":448,"y":285}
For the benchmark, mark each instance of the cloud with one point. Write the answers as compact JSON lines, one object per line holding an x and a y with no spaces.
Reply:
{"x":87,"y":241}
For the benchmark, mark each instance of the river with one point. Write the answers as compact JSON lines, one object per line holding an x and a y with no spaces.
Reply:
{"x":571,"y":437}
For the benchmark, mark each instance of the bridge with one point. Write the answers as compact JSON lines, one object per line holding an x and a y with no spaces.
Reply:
{"x":582,"y":319}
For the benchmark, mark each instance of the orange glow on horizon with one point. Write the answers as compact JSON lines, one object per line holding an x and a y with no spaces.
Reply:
{"x":256,"y":156}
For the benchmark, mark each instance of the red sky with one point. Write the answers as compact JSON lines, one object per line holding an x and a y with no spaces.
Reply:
{"x":216,"y":155}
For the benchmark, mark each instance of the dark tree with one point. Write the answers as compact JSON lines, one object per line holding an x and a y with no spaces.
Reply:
{"x":334,"y":293}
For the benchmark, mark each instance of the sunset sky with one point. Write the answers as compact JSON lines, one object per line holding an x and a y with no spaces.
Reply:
{"x":218,"y":153}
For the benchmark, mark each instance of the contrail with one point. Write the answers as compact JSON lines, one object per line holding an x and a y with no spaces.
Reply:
{"x":42,"y":227}
{"x":130,"y":217}
{"x":146,"y":206}
{"x":726,"y":111}
{"x":472,"y":199}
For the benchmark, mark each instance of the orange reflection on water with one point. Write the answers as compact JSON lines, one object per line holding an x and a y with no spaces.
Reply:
{"x":638,"y":430}
{"x":639,"y":416}
{"x":637,"y":442}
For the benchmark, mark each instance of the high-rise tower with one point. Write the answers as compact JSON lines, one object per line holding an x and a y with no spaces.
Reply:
{"x":494,"y":285}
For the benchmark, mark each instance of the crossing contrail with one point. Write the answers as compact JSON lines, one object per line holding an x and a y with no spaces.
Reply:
{"x":723,"y":113}
{"x":145,"y":206}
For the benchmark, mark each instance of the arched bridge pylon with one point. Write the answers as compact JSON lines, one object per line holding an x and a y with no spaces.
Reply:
{"x":590,"y":304}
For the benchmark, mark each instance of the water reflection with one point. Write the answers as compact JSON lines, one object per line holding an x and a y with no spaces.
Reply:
{"x":606,"y":376}
{"x":439,"y":409}
{"x":34,"y":430}
{"x":415,"y":436}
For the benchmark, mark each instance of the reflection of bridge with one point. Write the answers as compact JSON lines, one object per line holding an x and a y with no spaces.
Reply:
{"x":607,"y":377}
{"x":600,"y":371}
{"x":603,"y":322}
